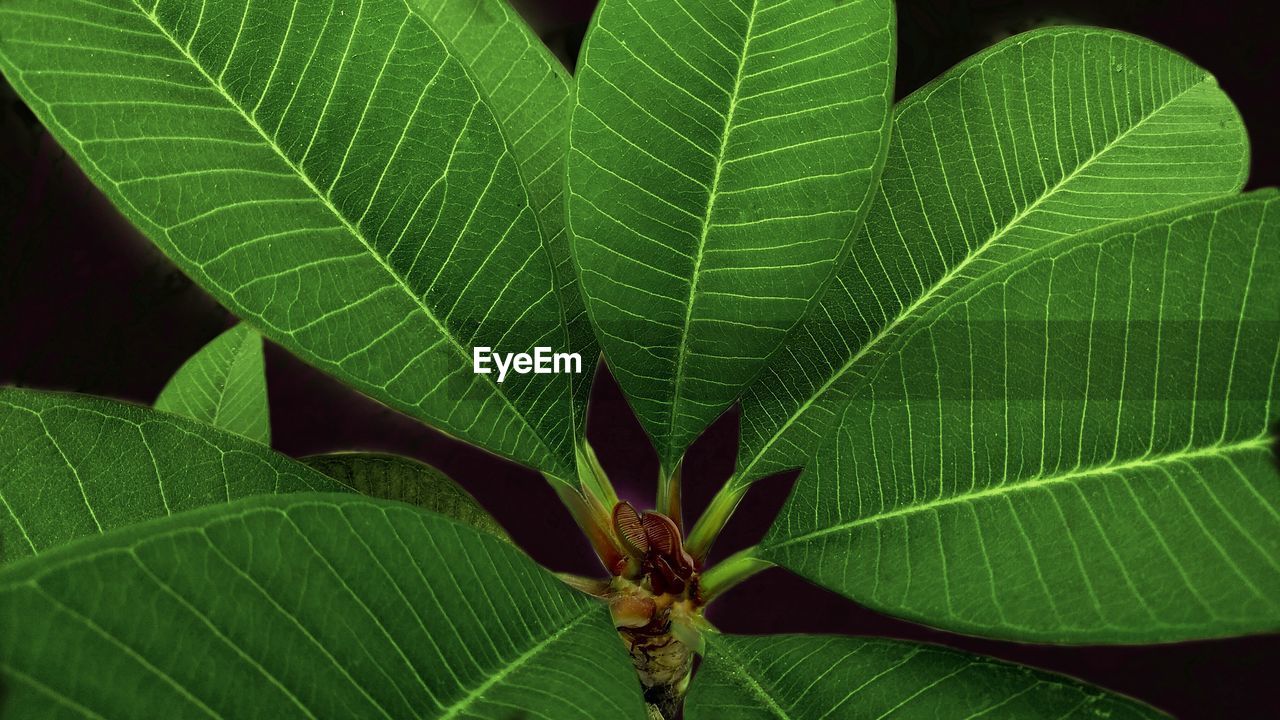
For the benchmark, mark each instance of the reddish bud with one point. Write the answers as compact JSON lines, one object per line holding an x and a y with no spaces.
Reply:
{"x":629,"y":527}
{"x":663,"y":535}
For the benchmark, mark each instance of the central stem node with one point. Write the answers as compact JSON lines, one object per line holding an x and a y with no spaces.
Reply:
{"x":656,"y":606}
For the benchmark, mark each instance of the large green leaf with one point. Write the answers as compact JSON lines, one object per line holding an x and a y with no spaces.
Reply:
{"x":225,"y":385}
{"x":807,"y":677}
{"x":1047,"y":134}
{"x":392,"y":477}
{"x":72,"y":465}
{"x":329,"y":172}
{"x":531,"y":94}
{"x":721,"y":155}
{"x":1074,"y":447}
{"x":312,"y":606}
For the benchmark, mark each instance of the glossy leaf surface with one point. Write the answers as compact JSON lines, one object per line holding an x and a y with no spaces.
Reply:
{"x":721,"y":155}
{"x":1073,"y":448}
{"x":1048,"y":134}
{"x":806,"y":677}
{"x":224,"y":385}
{"x":328,"y":171}
{"x":309,"y":606}
{"x":72,"y":465}
{"x":391,"y":477}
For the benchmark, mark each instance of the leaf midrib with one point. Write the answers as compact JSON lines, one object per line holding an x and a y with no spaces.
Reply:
{"x":223,"y":383}
{"x":950,"y":275}
{"x":478,"y":691}
{"x":748,"y":681}
{"x":1216,"y":450}
{"x":346,"y":223}
{"x":706,"y":228}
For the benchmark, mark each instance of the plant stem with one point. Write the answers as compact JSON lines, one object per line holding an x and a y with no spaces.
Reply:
{"x":590,"y":586}
{"x":594,"y":521}
{"x":592,"y":476}
{"x":708,"y":527}
{"x":735,"y":568}
{"x":669,"y":501}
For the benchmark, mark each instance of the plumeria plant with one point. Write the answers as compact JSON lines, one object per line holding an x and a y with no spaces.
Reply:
{"x":1021,"y":331}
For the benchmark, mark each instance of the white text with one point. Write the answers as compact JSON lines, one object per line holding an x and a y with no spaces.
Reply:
{"x":541,"y":362}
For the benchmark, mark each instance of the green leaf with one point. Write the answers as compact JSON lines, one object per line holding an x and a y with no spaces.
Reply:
{"x":72,"y":465}
{"x":1049,"y":133}
{"x":1074,"y":447}
{"x":328,"y":171}
{"x":224,"y":385}
{"x":721,"y":155}
{"x":392,"y":477}
{"x":311,"y":606}
{"x":801,"y":677}
{"x":532,"y":96}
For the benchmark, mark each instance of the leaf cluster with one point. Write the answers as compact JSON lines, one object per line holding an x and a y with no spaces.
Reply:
{"x":1021,"y":330}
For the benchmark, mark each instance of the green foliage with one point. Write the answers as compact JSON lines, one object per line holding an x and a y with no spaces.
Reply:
{"x":720,"y":158}
{"x":531,"y":94}
{"x":780,"y":677}
{"x":310,"y":606}
{"x":72,"y":466}
{"x":392,"y":477}
{"x":1049,"y":133}
{"x":327,"y":170}
{"x":1032,"y":390}
{"x":223,"y":385}
{"x":1072,"y":448}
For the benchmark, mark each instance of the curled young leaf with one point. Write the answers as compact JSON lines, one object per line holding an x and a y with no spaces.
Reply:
{"x":664,"y":537}
{"x":629,"y":527}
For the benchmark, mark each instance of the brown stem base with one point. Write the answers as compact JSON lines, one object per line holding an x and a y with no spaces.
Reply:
{"x":663,"y":664}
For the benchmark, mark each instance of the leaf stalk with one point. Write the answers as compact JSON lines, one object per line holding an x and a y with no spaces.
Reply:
{"x":594,"y":520}
{"x":592,"y":476}
{"x":669,"y":496}
{"x":713,"y":520}
{"x":735,"y":569}
{"x":591,"y":586}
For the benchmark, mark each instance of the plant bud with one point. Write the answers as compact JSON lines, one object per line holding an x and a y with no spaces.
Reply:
{"x":629,"y":527}
{"x":632,"y":612}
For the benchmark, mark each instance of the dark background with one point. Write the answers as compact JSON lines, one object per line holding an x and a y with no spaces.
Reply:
{"x":87,"y":304}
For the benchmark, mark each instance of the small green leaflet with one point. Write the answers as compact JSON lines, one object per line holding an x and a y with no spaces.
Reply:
{"x":1074,"y":448}
{"x":309,"y":606}
{"x":1051,"y":132}
{"x":721,"y":155}
{"x":329,"y":172}
{"x":72,"y":465}
{"x":532,"y":96}
{"x":392,"y":477}
{"x":224,"y":385}
{"x":795,"y":677}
